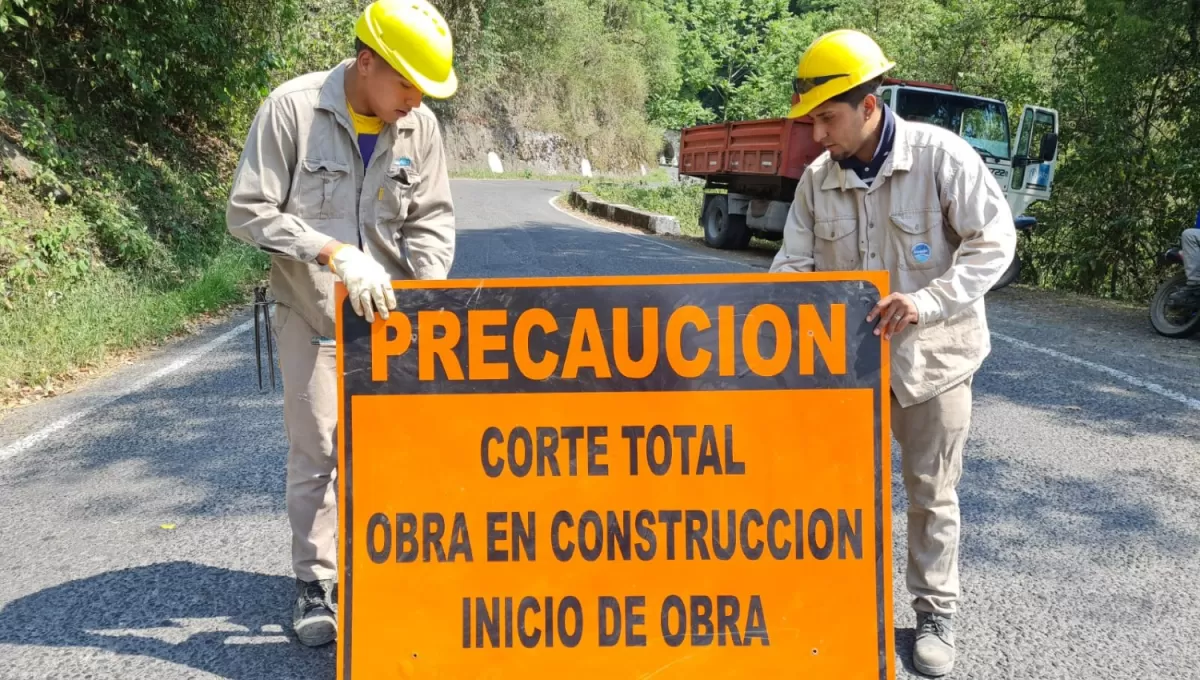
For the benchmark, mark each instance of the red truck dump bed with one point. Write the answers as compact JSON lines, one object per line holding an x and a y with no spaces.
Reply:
{"x":776,"y":147}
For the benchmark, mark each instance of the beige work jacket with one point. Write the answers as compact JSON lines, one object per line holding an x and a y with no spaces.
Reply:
{"x":936,"y":220}
{"x":300,"y":183}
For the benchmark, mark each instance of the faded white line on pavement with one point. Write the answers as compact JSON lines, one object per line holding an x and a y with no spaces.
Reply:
{"x":1112,"y":372}
{"x":23,"y":445}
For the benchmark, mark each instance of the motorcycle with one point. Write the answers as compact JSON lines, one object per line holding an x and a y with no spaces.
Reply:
{"x":1170,"y":315}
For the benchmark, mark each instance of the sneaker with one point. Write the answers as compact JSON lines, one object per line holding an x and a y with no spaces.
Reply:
{"x":933,"y":653}
{"x":314,"y":617}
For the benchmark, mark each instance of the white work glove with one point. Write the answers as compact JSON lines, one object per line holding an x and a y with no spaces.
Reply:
{"x":368,"y":284}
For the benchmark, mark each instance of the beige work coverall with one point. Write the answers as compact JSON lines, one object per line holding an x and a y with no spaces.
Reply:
{"x":300,"y":183}
{"x":937,"y":221}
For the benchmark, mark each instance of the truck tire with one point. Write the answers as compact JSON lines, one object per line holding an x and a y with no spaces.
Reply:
{"x":722,"y":230}
{"x":1010,"y":275}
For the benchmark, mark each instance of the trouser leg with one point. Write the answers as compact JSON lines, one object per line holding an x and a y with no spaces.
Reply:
{"x":310,"y":416}
{"x":932,"y":436}
{"x":1191,"y":254}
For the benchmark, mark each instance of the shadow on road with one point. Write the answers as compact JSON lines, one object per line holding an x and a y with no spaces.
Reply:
{"x":210,"y":429}
{"x":232,"y":624}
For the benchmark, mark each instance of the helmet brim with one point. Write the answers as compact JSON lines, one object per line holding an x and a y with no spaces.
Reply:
{"x":819,"y":95}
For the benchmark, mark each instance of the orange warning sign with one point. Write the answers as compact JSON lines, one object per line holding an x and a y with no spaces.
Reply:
{"x":675,"y":477}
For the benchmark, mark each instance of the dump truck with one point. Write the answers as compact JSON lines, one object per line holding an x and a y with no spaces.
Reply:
{"x":750,"y":168}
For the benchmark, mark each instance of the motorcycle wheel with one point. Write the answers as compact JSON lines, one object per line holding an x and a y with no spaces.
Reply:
{"x":1168,"y":320}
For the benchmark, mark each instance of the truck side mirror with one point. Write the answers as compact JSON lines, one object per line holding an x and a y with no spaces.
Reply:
{"x":1049,"y":147}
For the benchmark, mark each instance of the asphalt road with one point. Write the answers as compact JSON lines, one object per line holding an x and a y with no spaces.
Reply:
{"x":1080,"y":496}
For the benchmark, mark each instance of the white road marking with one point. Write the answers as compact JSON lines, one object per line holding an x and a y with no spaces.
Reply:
{"x":1187,"y":401}
{"x":30,"y":441}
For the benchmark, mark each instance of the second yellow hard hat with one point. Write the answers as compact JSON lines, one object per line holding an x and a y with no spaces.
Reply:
{"x":834,"y":63}
{"x":414,"y":38}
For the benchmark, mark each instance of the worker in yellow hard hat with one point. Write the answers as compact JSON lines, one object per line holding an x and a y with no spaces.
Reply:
{"x":343,"y":178}
{"x":916,"y":201}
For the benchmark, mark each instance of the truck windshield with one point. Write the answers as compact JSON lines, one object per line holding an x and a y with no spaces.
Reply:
{"x":982,"y":123}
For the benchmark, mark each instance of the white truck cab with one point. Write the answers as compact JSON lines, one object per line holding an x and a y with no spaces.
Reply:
{"x":751,"y":168}
{"x":1023,"y":165}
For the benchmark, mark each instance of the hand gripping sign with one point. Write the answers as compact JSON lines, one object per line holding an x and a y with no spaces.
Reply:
{"x":668,"y":477}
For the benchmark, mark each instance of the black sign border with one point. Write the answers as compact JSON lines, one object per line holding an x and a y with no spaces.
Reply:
{"x":345,"y":317}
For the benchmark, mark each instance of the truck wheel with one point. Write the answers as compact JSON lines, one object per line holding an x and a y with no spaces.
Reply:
{"x":722,"y":230}
{"x":1010,"y":275}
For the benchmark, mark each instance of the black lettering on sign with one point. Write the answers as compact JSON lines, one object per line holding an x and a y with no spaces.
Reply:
{"x":756,"y":623}
{"x":673,"y":633}
{"x":634,"y":620}
{"x":670,"y":518}
{"x":619,"y":537}
{"x":820,"y":516}
{"x":590,"y":552}
{"x":648,"y":546}
{"x":710,"y":458}
{"x":508,"y":622}
{"x":634,"y":434}
{"x":572,"y":435}
{"x":748,"y":517}
{"x":685,"y":433}
{"x":522,"y":540}
{"x":529,"y":639}
{"x":561,"y":552}
{"x":523,"y":453}
{"x":728,"y":609}
{"x":697,"y":527}
{"x":460,"y":540}
{"x":662,"y":444}
{"x":520,"y":451}
{"x":570,"y":604}
{"x":487,"y":620}
{"x":502,"y":622}
{"x":724,"y":551}
{"x":435,"y":526}
{"x":611,"y":617}
{"x":547,"y":447}
{"x":778,"y":550}
{"x":701,"y":620}
{"x":378,"y":554}
{"x":660,"y":434}
{"x":597,"y":449}
{"x":693,"y":622}
{"x":431,"y":543}
{"x":406,"y":537}
{"x":849,"y":534}
{"x":492,"y":467}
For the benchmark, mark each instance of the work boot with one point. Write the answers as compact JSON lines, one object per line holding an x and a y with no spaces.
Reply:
{"x":315,"y":615}
{"x":933,"y":653}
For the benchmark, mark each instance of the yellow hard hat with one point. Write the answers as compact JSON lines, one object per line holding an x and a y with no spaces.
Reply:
{"x":834,"y":63}
{"x":414,"y":38}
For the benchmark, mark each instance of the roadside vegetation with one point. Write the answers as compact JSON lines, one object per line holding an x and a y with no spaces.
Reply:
{"x":120,"y":124}
{"x":682,"y":201}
